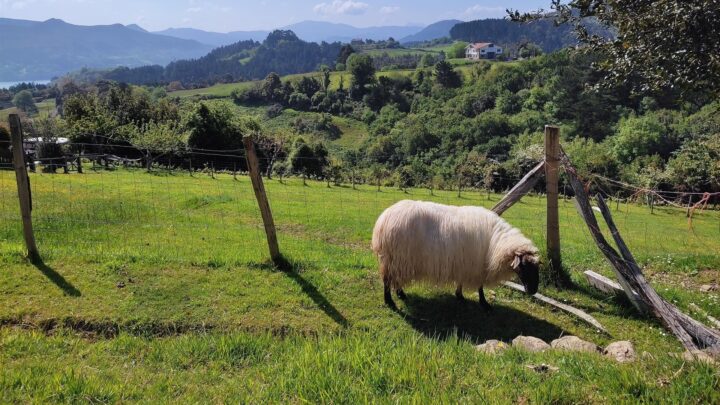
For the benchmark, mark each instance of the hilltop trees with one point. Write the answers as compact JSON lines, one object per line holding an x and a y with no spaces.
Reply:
{"x":216,"y":127}
{"x":282,"y":52}
{"x":5,"y":143}
{"x":457,"y":50}
{"x":24,"y":102}
{"x":362,"y":70}
{"x":446,"y":76}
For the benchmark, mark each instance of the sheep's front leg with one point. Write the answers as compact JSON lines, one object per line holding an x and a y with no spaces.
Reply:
{"x":401,"y":294}
{"x":483,"y":302}
{"x":459,"y":294}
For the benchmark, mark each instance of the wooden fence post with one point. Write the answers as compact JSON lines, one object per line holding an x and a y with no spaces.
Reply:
{"x":23,"y":186}
{"x":259,"y":188}
{"x":552,"y":165}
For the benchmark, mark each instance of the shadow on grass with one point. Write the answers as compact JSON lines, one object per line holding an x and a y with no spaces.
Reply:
{"x":609,"y":304}
{"x":56,"y":278}
{"x":292,"y":271}
{"x":442,"y":316}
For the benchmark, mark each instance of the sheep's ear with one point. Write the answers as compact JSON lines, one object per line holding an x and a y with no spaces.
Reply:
{"x":516,"y":262}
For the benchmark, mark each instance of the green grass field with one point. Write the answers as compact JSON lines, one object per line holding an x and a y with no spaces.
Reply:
{"x":44,"y":108}
{"x":156,"y":288}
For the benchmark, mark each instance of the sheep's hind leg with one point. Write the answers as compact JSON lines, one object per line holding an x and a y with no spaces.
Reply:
{"x":483,"y":302}
{"x":388,"y":296}
{"x":401,"y":294}
{"x":459,"y":294}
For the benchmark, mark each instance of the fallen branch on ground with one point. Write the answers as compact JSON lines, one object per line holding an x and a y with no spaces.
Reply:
{"x":567,"y":308}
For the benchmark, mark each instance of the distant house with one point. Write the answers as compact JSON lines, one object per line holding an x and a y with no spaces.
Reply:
{"x":482,"y":50}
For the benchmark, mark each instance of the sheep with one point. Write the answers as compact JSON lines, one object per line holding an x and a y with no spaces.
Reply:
{"x":438,"y":244}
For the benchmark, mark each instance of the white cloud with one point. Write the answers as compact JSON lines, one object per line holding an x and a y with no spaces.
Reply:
{"x":389,"y":9}
{"x":484,"y":11}
{"x":338,"y":7}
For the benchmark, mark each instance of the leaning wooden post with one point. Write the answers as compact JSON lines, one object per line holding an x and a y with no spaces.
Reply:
{"x":23,"y":186}
{"x":263,"y":203}
{"x":552,"y":165}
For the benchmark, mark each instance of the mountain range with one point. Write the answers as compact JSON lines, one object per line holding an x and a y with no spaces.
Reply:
{"x":439,"y":29}
{"x":45,"y":49}
{"x":34,"y":50}
{"x":314,"y":31}
{"x":214,"y":38}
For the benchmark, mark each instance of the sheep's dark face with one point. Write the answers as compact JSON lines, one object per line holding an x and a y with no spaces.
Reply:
{"x":527,"y":267}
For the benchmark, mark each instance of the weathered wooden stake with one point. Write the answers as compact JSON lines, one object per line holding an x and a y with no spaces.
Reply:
{"x":23,"y":186}
{"x":79,"y":163}
{"x":552,"y":165}
{"x":521,"y":188}
{"x":263,"y":203}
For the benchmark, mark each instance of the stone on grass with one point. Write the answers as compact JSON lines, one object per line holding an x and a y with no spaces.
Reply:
{"x":623,"y":351}
{"x":698,"y":355}
{"x":708,"y":287}
{"x":492,"y":347}
{"x":530,"y":343}
{"x":574,"y":343}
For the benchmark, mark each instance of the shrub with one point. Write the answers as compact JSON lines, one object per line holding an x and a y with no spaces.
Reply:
{"x":299,"y":101}
{"x":275,"y":110}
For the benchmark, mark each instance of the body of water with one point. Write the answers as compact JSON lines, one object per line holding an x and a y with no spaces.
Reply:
{"x":7,"y":85}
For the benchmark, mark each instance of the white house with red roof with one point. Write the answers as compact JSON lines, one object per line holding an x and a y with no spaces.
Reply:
{"x":482,"y":50}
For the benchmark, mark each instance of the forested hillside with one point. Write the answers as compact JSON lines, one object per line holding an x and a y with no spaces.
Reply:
{"x":282,"y":52}
{"x":543,"y":33}
{"x":477,"y":126}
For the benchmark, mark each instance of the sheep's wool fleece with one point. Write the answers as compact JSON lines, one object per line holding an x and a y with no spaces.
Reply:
{"x":441,"y":245}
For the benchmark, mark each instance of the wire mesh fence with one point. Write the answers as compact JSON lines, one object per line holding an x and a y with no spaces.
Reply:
{"x":199,"y":209}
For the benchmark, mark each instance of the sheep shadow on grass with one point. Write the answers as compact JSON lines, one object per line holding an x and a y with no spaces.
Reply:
{"x":443,"y":317}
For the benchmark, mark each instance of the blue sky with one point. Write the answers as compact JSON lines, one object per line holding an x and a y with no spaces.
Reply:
{"x":230,"y":15}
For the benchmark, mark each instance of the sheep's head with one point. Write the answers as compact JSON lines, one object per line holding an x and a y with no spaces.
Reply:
{"x":527,"y":266}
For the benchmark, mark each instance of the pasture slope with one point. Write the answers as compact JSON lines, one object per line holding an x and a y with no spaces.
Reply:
{"x":224,"y":90}
{"x":155,"y":288}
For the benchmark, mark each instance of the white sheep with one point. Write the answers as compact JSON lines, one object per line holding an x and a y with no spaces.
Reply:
{"x":471,"y":247}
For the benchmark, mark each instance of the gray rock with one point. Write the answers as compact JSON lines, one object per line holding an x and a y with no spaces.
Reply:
{"x":708,"y":287}
{"x":698,"y":355}
{"x":574,"y":343}
{"x":530,"y":343}
{"x":623,"y":351}
{"x":492,"y":347}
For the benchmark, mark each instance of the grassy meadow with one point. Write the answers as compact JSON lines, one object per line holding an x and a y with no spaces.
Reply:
{"x":44,"y":108}
{"x":224,"y":90}
{"x":155,"y":287}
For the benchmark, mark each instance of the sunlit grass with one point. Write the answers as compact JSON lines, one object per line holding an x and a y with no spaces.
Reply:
{"x":156,"y":287}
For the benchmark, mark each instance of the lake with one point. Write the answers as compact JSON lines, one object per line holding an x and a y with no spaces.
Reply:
{"x":7,"y":85}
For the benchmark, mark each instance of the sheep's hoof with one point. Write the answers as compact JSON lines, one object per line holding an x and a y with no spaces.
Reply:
{"x":460,"y":297}
{"x":401,"y":294}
